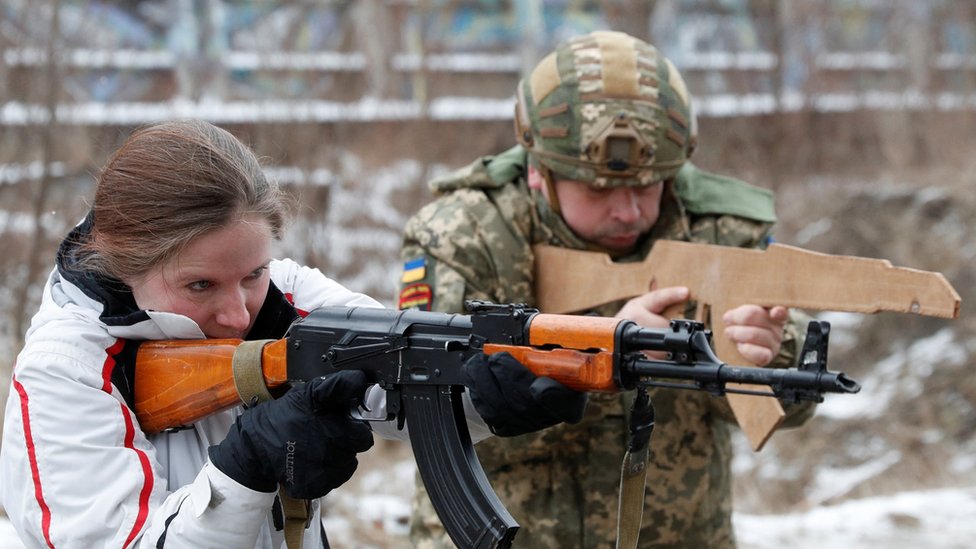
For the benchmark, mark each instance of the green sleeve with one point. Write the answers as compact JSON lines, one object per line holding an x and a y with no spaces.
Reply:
{"x":706,"y":193}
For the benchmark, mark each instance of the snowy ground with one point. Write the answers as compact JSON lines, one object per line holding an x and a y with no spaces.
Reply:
{"x":931,"y":518}
{"x":938,"y":518}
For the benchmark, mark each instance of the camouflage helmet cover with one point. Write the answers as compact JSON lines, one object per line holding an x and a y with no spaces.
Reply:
{"x":606,"y":109}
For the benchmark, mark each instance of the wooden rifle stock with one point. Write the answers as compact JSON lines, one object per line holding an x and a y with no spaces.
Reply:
{"x":179,"y":382}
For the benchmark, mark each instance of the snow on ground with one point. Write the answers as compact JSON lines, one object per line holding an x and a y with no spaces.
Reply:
{"x":936,"y":518}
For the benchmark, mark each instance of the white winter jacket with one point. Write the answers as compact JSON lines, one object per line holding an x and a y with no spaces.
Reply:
{"x":77,"y":471}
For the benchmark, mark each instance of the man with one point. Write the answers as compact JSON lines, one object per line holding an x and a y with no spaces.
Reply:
{"x":605,"y":127}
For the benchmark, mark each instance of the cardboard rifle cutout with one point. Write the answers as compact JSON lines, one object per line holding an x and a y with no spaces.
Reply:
{"x":722,"y":277}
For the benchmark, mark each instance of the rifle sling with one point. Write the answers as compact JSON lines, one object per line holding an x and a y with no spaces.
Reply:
{"x":630,"y":507}
{"x":633,"y":471}
{"x":249,"y":381}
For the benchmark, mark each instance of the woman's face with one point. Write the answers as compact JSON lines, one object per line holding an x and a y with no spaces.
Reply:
{"x":220,"y":280}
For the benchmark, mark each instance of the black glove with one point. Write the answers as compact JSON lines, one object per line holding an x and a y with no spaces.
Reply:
{"x":305,"y":440}
{"x":513,"y":401}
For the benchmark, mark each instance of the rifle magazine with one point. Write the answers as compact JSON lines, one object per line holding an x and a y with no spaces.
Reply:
{"x":464,"y":500}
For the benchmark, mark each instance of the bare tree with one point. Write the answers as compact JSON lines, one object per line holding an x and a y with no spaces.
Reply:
{"x":36,"y":248}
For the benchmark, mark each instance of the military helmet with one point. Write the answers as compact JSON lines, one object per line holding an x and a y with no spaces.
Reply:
{"x":607,"y":109}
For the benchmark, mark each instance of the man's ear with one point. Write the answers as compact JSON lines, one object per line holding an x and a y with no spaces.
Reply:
{"x":535,"y":179}
{"x":538,"y":181}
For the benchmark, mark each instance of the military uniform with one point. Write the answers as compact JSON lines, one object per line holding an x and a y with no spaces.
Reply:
{"x":475,"y":242}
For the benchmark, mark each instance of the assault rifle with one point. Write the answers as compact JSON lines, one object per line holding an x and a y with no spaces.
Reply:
{"x":416,"y":357}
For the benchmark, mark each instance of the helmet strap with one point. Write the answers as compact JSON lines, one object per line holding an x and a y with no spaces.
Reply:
{"x":546,"y":174}
{"x":541,"y":170}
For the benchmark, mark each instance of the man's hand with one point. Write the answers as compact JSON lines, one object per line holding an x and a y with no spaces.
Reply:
{"x":648,"y":309}
{"x":756,"y":331}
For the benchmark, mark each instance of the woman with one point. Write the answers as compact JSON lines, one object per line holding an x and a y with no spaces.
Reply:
{"x":177,"y":246}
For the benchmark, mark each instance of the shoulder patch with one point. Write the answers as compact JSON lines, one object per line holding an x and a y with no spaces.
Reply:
{"x":414,"y":270}
{"x":703,"y":192}
{"x":415,"y":296}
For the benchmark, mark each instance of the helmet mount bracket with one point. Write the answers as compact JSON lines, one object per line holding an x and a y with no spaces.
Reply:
{"x":620,"y":147}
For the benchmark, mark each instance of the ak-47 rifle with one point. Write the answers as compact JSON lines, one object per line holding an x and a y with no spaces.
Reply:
{"x":416,"y":357}
{"x":723,"y":277}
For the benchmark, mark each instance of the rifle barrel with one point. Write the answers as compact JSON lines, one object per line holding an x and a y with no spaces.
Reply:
{"x":708,"y":375}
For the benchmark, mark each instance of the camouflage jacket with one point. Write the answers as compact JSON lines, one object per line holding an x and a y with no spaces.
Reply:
{"x":475,"y":242}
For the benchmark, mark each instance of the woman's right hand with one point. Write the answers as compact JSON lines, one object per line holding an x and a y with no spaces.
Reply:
{"x":306,"y":440}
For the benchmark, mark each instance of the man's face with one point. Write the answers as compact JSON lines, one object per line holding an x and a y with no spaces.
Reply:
{"x":611,"y":218}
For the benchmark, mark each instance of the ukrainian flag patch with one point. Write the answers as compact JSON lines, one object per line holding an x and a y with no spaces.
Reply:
{"x":414,"y":270}
{"x":415,"y":296}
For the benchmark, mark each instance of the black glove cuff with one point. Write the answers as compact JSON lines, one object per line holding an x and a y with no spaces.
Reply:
{"x":225,"y":458}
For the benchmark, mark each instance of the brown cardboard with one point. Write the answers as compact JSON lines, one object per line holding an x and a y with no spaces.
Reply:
{"x":723,"y":277}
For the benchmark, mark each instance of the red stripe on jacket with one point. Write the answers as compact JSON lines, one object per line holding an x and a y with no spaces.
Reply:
{"x":291,"y":299}
{"x":130,"y":435}
{"x":32,"y":458}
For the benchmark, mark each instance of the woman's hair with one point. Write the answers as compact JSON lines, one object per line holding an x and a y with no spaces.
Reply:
{"x":168,"y":184}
